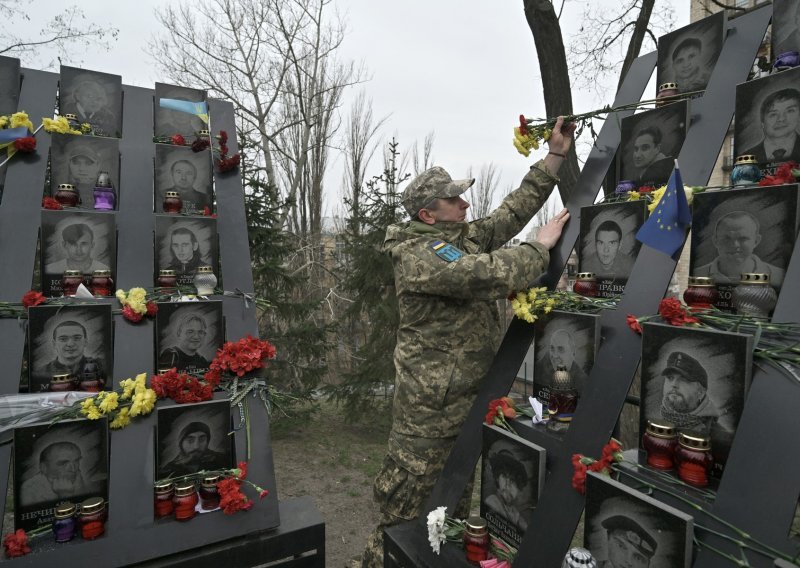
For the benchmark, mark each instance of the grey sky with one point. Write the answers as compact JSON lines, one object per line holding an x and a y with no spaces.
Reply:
{"x":463,"y":68}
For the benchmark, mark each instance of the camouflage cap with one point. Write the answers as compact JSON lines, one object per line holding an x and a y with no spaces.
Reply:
{"x":631,"y":533}
{"x":431,"y":184}
{"x":84,"y":150}
{"x":686,"y":366}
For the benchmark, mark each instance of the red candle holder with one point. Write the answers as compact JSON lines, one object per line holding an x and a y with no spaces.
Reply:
{"x":665,"y":93}
{"x":694,"y":459}
{"x":185,"y":500}
{"x":172,"y":202}
{"x":660,"y":442}
{"x":62,"y":383}
{"x":476,"y":539}
{"x":167,"y":280}
{"x":162,"y":499}
{"x":102,"y":284}
{"x":209,"y":495}
{"x":93,"y":518}
{"x":70,"y":282}
{"x":701,"y":293}
{"x":585,"y":284}
{"x":67,"y":195}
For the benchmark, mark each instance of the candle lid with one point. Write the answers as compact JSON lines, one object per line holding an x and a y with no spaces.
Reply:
{"x":70,"y":116}
{"x":203,"y":133}
{"x":101,"y":273}
{"x":185,"y":488}
{"x":210,"y":481}
{"x":171,"y":194}
{"x":166,"y":272}
{"x":164,"y":487}
{"x":585,"y":276}
{"x":662,"y":430}
{"x":66,"y":187}
{"x":65,"y":510}
{"x":664,"y":86}
{"x":694,"y":441}
{"x":746,"y":159}
{"x":754,"y":278}
{"x":73,"y":273}
{"x":92,"y":505}
{"x":700,"y":281}
{"x":476,"y":523}
{"x":61,"y":378}
{"x":205,"y":270}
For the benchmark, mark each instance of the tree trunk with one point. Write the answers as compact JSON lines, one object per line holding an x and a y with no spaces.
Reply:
{"x":546,"y":31}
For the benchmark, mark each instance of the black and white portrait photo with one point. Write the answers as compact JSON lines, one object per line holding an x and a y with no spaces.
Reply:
{"x":168,"y":121}
{"x":512,"y":477}
{"x":608,"y":245}
{"x":696,"y":380}
{"x":53,"y":463}
{"x":79,"y":160}
{"x":76,"y":241}
{"x":94,"y":98}
{"x":564,"y":339}
{"x":194,"y":438}
{"x":785,"y":26}
{"x":651,"y":141}
{"x":189,"y":173}
{"x":768,"y":118}
{"x":188,"y":335}
{"x":626,"y":529}
{"x":69,"y":339}
{"x":9,"y":85}
{"x":184,"y":243}
{"x":688,"y":55}
{"x":743,"y":230}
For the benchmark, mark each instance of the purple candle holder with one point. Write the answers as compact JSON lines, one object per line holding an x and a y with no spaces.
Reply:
{"x":786,"y":60}
{"x":625,"y":186}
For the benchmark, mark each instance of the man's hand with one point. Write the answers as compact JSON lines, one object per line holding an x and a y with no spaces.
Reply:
{"x":561,"y":138}
{"x":550,"y":233}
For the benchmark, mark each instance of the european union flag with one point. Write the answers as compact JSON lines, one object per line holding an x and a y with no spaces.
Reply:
{"x":665,"y":229}
{"x":198,"y":109}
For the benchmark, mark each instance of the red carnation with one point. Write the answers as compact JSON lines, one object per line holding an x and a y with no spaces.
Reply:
{"x":16,"y":544}
{"x":634,"y":324}
{"x":579,"y":475}
{"x":132,"y":316}
{"x":50,"y":203}
{"x":152,"y":309}
{"x":223,"y":137}
{"x":523,"y":125}
{"x":646,"y":189}
{"x":228,"y":164}
{"x":263,"y":493}
{"x":200,"y":144}
{"x":26,"y":144}
{"x":671,"y":310}
{"x":33,"y":298}
{"x":232,"y":499}
{"x":178,"y":140}
{"x":783,"y":175}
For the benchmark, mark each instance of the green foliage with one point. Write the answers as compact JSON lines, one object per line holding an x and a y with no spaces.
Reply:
{"x":291,"y":324}
{"x":368,"y":278}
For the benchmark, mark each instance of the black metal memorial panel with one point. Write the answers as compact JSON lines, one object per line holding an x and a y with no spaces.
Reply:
{"x":131,"y":469}
{"x":760,"y":455}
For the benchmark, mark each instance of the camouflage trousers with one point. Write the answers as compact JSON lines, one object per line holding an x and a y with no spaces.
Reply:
{"x":410,"y":470}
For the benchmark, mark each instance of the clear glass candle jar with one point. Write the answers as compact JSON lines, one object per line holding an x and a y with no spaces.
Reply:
{"x":184,"y":501}
{"x":660,"y":442}
{"x":67,"y":195}
{"x":93,"y":518}
{"x":694,"y":459}
{"x":64,"y":524}
{"x":102,"y":284}
{"x":163,"y":494}
{"x":209,"y":494}
{"x":476,"y":539}
{"x":70,"y":282}
{"x":172,"y":202}
{"x":585,"y":284}
{"x":745,"y":170}
{"x":754,"y":296}
{"x":205,"y":281}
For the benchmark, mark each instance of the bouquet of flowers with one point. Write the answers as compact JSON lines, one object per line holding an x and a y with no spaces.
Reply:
{"x":443,"y":528}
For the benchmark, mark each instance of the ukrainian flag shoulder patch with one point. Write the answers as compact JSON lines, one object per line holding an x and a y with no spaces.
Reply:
{"x":446,"y":251}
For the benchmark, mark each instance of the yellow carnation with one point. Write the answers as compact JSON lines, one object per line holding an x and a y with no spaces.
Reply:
{"x":143,"y":402}
{"x":634,"y":196}
{"x":122,"y":419}
{"x":21,"y":119}
{"x":121,"y":296}
{"x":521,"y":149}
{"x":93,"y":413}
{"x":110,"y":402}
{"x":127,"y":386}
{"x":87,"y":404}
{"x":3,"y":121}
{"x":137,"y":295}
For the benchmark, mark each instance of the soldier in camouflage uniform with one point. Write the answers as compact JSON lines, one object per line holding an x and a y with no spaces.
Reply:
{"x":448,"y":276}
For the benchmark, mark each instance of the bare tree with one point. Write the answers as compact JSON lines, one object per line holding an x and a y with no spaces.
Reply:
{"x":419,"y":161}
{"x":481,"y":194}
{"x":276,"y":61}
{"x":62,"y":33}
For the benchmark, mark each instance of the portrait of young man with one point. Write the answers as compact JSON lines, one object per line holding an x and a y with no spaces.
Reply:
{"x":184,"y":244}
{"x":194,"y":438}
{"x":651,"y":141}
{"x":94,"y":98}
{"x":66,"y":461}
{"x":743,"y":231}
{"x":169,"y":122}
{"x":68,"y":339}
{"x":696,"y":380}
{"x":186,"y":172}
{"x":75,"y":241}
{"x":79,"y":160}
{"x":608,"y":245}
{"x":768,"y":119}
{"x":688,"y":55}
{"x":189,"y":334}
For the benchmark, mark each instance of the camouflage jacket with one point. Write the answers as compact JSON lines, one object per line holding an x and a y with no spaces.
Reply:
{"x":448,"y":277}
